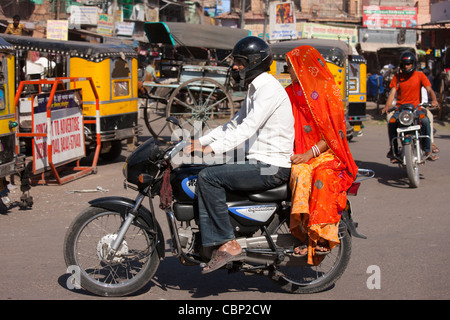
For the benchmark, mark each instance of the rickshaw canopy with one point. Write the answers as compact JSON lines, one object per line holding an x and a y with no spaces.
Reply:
{"x":86,"y":50}
{"x":331,"y":50}
{"x":193,"y":35}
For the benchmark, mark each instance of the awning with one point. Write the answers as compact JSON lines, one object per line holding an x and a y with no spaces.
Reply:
{"x":334,"y":51}
{"x":194,"y":35}
{"x":375,"y":46}
{"x":90,"y":51}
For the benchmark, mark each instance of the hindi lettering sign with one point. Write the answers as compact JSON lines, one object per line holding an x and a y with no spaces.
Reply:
{"x":389,"y":17}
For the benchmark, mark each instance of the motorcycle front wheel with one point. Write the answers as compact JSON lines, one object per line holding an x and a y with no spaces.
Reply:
{"x":309,"y":278}
{"x":86,"y":248}
{"x":412,"y":165}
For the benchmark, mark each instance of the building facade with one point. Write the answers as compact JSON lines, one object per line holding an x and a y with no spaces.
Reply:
{"x":345,"y":16}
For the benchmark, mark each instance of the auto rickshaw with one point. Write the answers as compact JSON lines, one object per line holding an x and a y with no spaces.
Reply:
{"x":349,"y":71}
{"x":11,"y":162}
{"x":114,"y":70}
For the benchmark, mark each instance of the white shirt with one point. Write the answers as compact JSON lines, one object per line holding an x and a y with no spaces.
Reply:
{"x":264,"y":124}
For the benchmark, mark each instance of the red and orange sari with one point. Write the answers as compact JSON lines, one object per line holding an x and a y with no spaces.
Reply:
{"x":318,"y":186}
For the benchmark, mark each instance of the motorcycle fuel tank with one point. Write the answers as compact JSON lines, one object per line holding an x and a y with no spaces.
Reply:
{"x":184,"y":180}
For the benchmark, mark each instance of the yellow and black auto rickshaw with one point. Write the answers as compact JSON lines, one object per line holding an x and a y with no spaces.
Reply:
{"x":349,"y":71}
{"x":11,"y":162}
{"x":114,"y":71}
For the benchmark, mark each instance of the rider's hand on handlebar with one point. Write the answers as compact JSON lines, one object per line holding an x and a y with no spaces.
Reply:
{"x":195,"y":146}
{"x":434,"y":104}
{"x":384,"y":110}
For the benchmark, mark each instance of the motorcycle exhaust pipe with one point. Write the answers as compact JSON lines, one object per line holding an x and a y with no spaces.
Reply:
{"x":258,"y":250}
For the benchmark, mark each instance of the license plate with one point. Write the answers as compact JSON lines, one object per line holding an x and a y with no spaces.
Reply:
{"x":411,"y":128}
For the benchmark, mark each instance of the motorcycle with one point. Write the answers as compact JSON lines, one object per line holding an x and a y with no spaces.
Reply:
{"x":409,"y":140}
{"x":116,"y":244}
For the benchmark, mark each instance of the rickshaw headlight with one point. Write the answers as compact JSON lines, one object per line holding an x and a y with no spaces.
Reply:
{"x":406,"y":118}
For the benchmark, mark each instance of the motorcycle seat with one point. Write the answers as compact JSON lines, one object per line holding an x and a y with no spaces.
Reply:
{"x":281,"y":192}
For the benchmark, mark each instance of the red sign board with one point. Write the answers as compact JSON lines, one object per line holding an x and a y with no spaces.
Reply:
{"x":389,"y":17}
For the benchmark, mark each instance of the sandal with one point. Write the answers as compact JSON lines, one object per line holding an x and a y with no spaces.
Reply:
{"x":434,"y":148}
{"x":297,"y":251}
{"x":322,"y":248}
{"x":220,"y":259}
{"x":431,"y":157}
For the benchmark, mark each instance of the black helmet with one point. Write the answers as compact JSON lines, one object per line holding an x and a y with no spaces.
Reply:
{"x":255,"y":55}
{"x":408,"y":57}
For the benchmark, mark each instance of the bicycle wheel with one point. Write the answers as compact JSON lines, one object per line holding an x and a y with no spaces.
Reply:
{"x":200,"y":104}
{"x":155,"y":114}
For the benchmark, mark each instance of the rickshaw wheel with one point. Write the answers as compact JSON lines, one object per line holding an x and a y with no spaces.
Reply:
{"x":155,"y":114}
{"x":199,"y":104}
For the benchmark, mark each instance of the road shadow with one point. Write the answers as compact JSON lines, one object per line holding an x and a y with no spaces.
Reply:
{"x":387,"y":174}
{"x":172,"y":275}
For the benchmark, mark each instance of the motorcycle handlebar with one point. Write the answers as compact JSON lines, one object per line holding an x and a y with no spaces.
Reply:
{"x":177,"y":148}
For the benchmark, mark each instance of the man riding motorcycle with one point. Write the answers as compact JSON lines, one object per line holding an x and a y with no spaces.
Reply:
{"x":265,"y":125}
{"x":407,"y":86}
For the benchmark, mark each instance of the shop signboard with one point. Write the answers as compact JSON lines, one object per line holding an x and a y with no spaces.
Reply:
{"x":66,"y":131}
{"x":389,"y":17}
{"x":282,"y":21}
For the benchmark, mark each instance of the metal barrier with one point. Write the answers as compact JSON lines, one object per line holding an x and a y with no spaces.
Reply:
{"x":80,"y":171}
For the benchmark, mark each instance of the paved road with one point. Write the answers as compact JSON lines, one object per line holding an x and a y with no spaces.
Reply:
{"x":407,"y":245}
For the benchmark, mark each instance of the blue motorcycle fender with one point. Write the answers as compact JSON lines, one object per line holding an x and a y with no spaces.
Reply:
{"x":123,"y":206}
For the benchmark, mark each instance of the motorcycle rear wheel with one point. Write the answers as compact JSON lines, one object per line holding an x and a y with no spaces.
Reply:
{"x":86,"y":246}
{"x":312,"y":279}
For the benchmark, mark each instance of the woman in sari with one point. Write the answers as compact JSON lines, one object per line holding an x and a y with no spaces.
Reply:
{"x":322,"y":166}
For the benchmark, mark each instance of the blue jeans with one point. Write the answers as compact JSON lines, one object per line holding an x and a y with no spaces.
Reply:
{"x":426,"y":130}
{"x":212,"y":185}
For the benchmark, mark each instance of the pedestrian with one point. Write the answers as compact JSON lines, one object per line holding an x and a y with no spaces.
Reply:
{"x":150,"y":73}
{"x":16,"y":28}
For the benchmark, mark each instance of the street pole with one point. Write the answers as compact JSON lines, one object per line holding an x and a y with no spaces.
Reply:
{"x":266,"y":14}
{"x":242,"y":22}
{"x":58,"y":8}
{"x":114,"y":10}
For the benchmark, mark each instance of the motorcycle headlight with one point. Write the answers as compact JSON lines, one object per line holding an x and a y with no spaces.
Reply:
{"x":406,"y":118}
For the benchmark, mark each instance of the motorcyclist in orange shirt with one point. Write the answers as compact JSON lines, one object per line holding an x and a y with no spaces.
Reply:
{"x":406,"y":85}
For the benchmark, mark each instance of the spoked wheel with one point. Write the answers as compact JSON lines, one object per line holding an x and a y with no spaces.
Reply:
{"x":309,"y":278}
{"x":86,"y":247}
{"x":412,"y":165}
{"x":200,"y":104}
{"x":155,"y":114}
